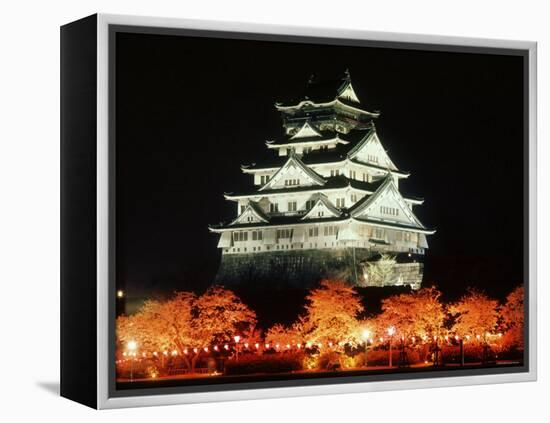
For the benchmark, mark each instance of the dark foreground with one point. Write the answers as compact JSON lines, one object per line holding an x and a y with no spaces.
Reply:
{"x":372,"y":374}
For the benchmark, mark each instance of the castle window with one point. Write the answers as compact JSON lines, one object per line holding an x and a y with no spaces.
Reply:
{"x":391,"y":211}
{"x":340,"y":202}
{"x":330,"y":230}
{"x":378,"y":233}
{"x":284,"y":233}
{"x":321,"y":213}
{"x":352,"y":174}
{"x":273,"y":207}
{"x":354,"y":198}
{"x":372,"y":158}
{"x":310,"y":204}
{"x":242,"y":209}
{"x":240,"y":236}
{"x":292,"y":206}
{"x":335,"y":172}
{"x":264,"y":179}
{"x":257,"y":235}
{"x":314,"y":231}
{"x":292,"y":182}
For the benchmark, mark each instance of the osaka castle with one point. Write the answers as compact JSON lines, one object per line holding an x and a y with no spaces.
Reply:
{"x":325,"y":203}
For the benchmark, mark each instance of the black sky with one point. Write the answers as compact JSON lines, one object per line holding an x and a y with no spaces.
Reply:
{"x":190,"y":111}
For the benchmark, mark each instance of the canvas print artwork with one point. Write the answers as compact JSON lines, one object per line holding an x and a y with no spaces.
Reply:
{"x":296,"y":211}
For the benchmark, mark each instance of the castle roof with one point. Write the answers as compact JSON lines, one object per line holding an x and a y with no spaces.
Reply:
{"x":328,"y":92}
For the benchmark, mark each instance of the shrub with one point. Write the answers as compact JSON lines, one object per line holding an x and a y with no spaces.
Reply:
{"x":272,"y":363}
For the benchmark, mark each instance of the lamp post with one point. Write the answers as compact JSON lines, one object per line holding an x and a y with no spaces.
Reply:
{"x":237,"y":339}
{"x":366,"y":335}
{"x":132,"y":346}
{"x":391,"y":331}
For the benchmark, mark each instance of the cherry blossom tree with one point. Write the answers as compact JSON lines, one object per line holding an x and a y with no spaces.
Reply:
{"x":419,"y":314}
{"x":331,"y":313}
{"x":280,"y":334}
{"x":475,"y":315}
{"x":513,"y":318}
{"x":187,"y":323}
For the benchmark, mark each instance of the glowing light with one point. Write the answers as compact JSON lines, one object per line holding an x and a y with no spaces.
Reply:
{"x":216,"y":348}
{"x":478,"y":336}
{"x":320,"y":345}
{"x":276,"y":346}
{"x":155,"y":353}
{"x":246,"y":344}
{"x":299,"y":346}
{"x":500,"y":335}
{"x":468,"y":337}
{"x":391,"y":330}
{"x":165,"y":352}
{"x":330,"y":344}
{"x":174,"y":352}
{"x":237,"y":338}
{"x":366,"y":334}
{"x":185,"y":351}
{"x":257,"y":345}
{"x":267,"y":346}
{"x":413,"y":339}
{"x":120,"y":293}
{"x":132,"y":345}
{"x":124,"y":354}
{"x":381,"y":339}
{"x":371,"y":340}
{"x":456,"y":337}
{"x":143,"y":354}
{"x":226,"y":347}
{"x":308,"y":345}
{"x":205,"y":349}
{"x":195,"y":350}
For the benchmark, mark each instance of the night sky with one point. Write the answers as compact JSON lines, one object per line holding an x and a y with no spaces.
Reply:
{"x":190,"y":111}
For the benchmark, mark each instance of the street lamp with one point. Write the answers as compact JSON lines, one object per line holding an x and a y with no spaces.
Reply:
{"x":132,"y":346}
{"x":120,"y":293}
{"x":237,"y":338}
{"x":366,"y":335}
{"x":391,"y":332}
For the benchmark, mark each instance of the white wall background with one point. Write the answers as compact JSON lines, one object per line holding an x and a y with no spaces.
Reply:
{"x":29,"y":231}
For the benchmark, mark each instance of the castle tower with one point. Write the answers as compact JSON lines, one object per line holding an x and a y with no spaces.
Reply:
{"x":325,"y":204}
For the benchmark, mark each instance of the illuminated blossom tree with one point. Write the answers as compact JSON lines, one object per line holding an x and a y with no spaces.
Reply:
{"x":475,"y":315}
{"x":419,"y":313}
{"x":513,"y":318}
{"x":187,"y":323}
{"x":280,"y":334}
{"x":331,"y":313}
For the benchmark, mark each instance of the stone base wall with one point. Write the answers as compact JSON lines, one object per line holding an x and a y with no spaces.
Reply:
{"x":305,"y":268}
{"x":402,"y":274}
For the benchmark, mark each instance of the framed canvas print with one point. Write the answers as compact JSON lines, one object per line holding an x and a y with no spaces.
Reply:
{"x":255,"y":211}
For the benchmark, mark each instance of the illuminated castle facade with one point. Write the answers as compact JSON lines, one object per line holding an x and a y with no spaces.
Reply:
{"x":325,"y":204}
